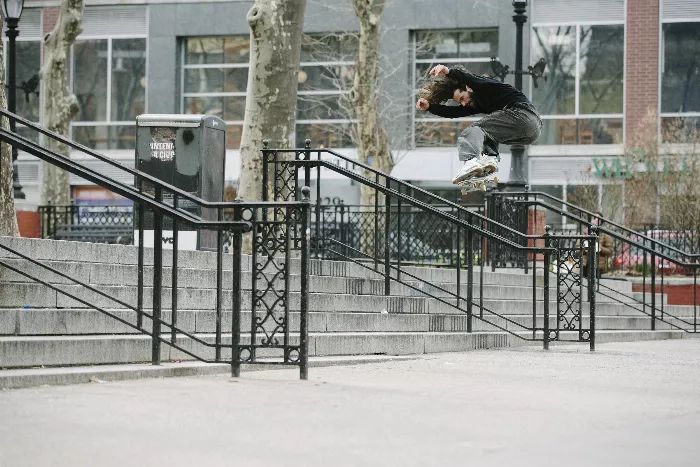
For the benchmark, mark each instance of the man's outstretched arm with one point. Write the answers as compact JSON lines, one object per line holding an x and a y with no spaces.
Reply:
{"x":465,"y":79}
{"x":445,"y":111}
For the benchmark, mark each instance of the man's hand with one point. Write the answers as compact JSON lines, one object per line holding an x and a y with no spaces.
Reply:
{"x":439,"y":70}
{"x":422,"y":104}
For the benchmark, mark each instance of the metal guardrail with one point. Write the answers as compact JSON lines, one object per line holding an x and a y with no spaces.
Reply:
{"x":278,"y":231}
{"x":383,"y":244}
{"x":632,"y":255}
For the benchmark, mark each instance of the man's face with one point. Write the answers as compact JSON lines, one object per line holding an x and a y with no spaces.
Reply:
{"x":463,"y":97}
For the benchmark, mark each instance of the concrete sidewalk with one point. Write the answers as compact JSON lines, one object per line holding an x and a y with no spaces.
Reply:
{"x":629,"y":404}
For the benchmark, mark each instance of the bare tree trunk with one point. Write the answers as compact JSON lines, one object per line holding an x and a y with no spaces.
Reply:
{"x":271,"y":99}
{"x":60,"y":105}
{"x":8,"y":217}
{"x":371,"y":137}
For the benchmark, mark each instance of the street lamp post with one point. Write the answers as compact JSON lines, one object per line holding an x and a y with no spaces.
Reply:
{"x":12,"y":11}
{"x":518,"y":164}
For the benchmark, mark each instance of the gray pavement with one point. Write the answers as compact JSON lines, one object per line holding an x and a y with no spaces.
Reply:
{"x":628,"y":404}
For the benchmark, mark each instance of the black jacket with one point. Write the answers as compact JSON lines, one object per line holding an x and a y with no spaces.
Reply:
{"x":489,"y":96}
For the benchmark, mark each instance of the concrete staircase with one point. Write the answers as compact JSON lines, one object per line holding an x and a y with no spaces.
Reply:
{"x":349,"y":315}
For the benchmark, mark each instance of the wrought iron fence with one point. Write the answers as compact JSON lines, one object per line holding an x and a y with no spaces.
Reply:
{"x":278,"y":231}
{"x":623,"y":253}
{"x":422,"y":238}
{"x":401,"y":229}
{"x":101,"y":223}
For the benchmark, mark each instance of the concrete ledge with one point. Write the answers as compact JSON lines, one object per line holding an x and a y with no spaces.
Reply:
{"x":26,"y":378}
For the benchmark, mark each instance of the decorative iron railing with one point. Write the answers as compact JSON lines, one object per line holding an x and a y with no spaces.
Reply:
{"x":279,"y":231}
{"x":405,"y":225}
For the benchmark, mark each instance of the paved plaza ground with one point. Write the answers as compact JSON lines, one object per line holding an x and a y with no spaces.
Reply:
{"x":631,"y":404}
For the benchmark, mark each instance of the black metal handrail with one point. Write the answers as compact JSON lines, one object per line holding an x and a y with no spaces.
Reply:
{"x":280,"y":178}
{"x":270,"y":238}
{"x":650,"y":250}
{"x":593,"y":215}
{"x":388,"y":178}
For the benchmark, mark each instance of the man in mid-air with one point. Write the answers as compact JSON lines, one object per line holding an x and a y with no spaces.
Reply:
{"x":511,"y":118}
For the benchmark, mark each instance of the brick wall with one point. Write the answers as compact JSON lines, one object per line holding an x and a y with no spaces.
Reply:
{"x":642,"y":73}
{"x":50,"y":18}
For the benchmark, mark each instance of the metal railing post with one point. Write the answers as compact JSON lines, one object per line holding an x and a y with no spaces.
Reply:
{"x":545,"y":337}
{"x":653,"y":287}
{"x":219,"y":280}
{"x":376,"y":224}
{"x":157,"y":277}
{"x":592,"y":275}
{"x":236,"y":290}
{"x":305,"y":279}
{"x":387,"y":241}
{"x":173,"y":281}
{"x":470,"y":273}
{"x":139,"y":293}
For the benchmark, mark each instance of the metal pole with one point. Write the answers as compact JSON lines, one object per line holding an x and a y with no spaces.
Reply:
{"x":173,"y":282}
{"x":236,"y":245}
{"x":305,"y":279}
{"x":518,"y":167}
{"x":545,"y":337}
{"x":470,"y":273}
{"x":219,"y":288}
{"x":157,"y":277}
{"x":140,"y":267}
{"x":653,"y":287}
{"x":387,"y":246}
{"x":459,"y":261}
{"x":12,"y":34}
{"x":695,"y":299}
{"x":592,"y":275}
{"x":376,"y":224}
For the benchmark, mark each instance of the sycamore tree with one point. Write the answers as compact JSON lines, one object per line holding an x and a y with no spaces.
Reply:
{"x":60,"y":104}
{"x":8,"y":217}
{"x":271,"y":97}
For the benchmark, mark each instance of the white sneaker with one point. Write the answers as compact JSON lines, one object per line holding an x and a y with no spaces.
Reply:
{"x":470,"y":169}
{"x":489,"y":164}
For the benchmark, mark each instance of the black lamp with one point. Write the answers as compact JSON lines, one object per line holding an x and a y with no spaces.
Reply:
{"x":12,"y":11}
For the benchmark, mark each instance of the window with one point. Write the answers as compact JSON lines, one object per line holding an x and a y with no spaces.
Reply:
{"x":326,"y":74}
{"x":680,"y":83}
{"x":471,"y":48}
{"x":109,"y":81}
{"x":215,"y":77}
{"x":582,"y":100}
{"x":214,"y":80}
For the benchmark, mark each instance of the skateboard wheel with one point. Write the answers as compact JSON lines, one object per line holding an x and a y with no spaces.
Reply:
{"x":495,"y":179}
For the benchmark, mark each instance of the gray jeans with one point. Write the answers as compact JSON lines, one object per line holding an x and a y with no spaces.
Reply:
{"x":519,"y":124}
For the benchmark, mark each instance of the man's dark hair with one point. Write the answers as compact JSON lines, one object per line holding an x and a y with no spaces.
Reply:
{"x":441,"y":89}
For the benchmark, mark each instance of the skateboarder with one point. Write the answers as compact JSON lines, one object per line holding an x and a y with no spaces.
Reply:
{"x":511,"y":118}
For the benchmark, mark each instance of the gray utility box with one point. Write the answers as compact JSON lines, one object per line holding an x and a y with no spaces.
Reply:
{"x":188,"y":152}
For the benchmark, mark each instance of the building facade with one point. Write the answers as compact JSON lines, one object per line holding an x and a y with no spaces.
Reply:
{"x":610,"y":63}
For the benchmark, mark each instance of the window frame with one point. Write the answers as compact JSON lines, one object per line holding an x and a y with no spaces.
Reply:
{"x":108,"y":122}
{"x":577,"y":115}
{"x":662,"y":60}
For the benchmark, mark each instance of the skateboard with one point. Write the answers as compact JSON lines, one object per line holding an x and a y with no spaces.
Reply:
{"x":478,"y":183}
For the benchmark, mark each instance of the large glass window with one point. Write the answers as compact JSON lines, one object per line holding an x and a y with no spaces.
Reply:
{"x":109,"y":81}
{"x":215,"y":77}
{"x":581,"y":101}
{"x":325,"y":78}
{"x":680,"y":83}
{"x":471,"y":48}
{"x":214,"y":80}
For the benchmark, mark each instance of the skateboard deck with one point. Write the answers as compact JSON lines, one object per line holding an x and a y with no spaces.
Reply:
{"x":475,"y":184}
